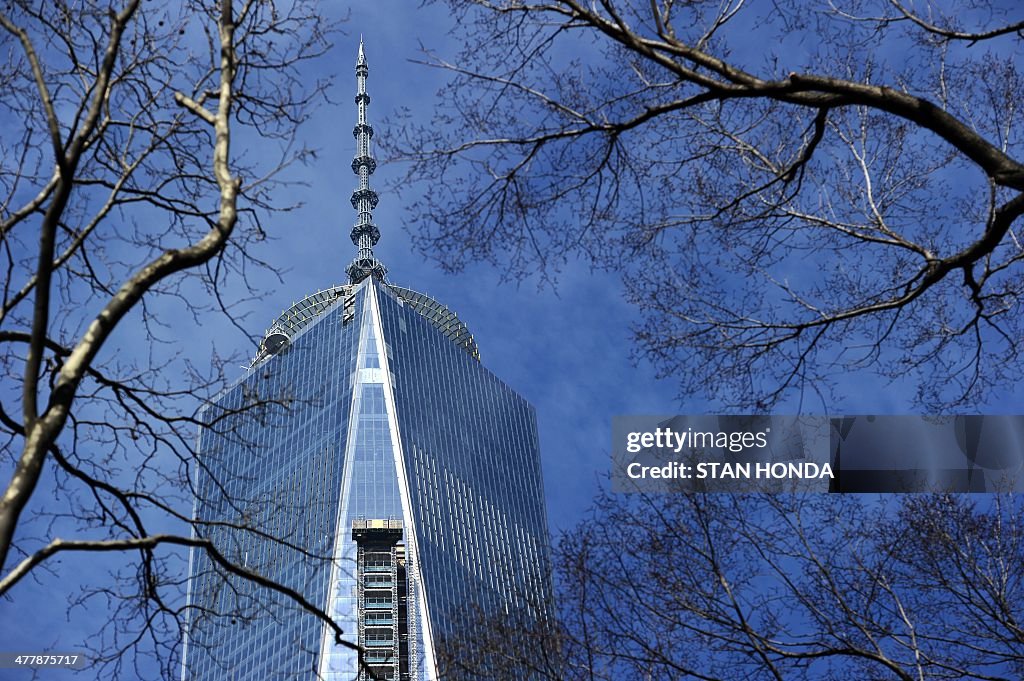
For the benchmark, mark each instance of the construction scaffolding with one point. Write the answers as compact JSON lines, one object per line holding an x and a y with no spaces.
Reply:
{"x":382,"y":599}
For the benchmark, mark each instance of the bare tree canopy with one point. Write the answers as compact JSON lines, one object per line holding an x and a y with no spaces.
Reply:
{"x":130,"y":196}
{"x":721,"y":587}
{"x":790,"y":190}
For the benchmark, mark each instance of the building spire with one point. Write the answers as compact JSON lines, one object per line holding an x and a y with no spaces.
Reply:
{"x":364,"y":234}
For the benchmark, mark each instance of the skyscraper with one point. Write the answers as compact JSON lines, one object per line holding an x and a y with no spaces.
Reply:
{"x":368,"y":461}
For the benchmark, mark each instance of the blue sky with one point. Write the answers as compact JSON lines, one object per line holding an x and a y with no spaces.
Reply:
{"x":567,"y":348}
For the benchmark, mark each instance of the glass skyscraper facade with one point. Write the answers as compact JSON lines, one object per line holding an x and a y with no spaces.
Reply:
{"x":369,"y":466}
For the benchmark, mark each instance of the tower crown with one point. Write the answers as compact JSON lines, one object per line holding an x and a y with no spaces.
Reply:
{"x":365,"y":234}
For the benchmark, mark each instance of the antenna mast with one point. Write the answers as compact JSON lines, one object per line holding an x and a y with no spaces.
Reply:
{"x":365,"y":234}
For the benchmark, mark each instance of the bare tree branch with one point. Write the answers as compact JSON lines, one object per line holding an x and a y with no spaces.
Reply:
{"x":763,"y":259}
{"x":125,"y":215}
